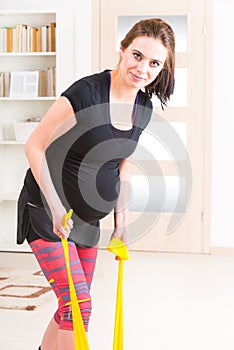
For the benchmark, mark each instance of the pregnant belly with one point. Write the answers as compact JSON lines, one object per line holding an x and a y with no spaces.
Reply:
{"x":90,"y":192}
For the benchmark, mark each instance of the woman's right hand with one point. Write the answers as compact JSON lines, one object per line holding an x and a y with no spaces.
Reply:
{"x":58,"y":214}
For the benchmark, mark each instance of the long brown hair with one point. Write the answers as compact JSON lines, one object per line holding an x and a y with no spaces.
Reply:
{"x":163,"y":85}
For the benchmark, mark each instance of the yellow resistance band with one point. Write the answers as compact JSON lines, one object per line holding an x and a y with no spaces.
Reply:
{"x":117,"y":247}
{"x":80,"y":338}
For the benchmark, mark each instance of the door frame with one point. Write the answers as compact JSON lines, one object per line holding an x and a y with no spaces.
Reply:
{"x":208,"y":82}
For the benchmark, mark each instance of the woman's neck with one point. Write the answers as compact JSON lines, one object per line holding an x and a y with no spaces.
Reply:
{"x":122,"y":100}
{"x":119,"y":91}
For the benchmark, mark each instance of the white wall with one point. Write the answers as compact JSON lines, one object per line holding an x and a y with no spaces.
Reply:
{"x":223,"y":126}
{"x":222,"y":223}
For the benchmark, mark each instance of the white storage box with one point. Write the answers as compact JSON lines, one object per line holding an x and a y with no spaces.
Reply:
{"x":24,"y":129}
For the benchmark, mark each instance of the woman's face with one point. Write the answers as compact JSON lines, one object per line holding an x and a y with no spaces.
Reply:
{"x":142,"y":61}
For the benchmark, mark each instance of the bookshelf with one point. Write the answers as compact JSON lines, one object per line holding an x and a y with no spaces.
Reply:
{"x":23,"y":56}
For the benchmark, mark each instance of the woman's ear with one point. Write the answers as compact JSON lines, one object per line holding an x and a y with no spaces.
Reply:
{"x":121,"y":51}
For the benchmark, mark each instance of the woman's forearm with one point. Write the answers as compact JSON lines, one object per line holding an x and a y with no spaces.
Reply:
{"x":120,"y":217}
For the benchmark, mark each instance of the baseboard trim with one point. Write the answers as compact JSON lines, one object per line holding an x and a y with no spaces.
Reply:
{"x":222,"y":250}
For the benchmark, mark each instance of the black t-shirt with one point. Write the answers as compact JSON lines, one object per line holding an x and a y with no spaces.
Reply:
{"x":84,"y":162}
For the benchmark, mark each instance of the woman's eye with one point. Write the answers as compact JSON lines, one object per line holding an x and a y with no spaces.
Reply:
{"x":155,"y":64}
{"x":136,"y":55}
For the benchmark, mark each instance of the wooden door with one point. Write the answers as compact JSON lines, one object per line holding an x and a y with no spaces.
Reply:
{"x":177,"y":224}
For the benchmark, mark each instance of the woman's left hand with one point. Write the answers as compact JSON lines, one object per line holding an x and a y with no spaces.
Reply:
{"x":122,"y":234}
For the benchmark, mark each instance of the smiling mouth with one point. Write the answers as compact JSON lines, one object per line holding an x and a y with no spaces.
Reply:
{"x":136,"y":77}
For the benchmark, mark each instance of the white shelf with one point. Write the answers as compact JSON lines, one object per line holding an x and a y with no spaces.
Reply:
{"x":52,"y":98}
{"x":12,"y":156}
{"x":14,"y":248}
{"x":8,"y":197}
{"x":28,"y":12}
{"x":11,"y":142}
{"x":18,"y":54}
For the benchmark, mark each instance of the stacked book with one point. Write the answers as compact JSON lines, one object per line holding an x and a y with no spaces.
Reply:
{"x":26,"y":38}
{"x":5,"y":84}
{"x":47,"y":82}
{"x":24,"y":83}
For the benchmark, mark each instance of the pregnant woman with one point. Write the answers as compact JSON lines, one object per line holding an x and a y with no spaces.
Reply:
{"x":78,"y":159}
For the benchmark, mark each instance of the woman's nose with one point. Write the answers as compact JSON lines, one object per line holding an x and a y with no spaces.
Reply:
{"x":142,"y":66}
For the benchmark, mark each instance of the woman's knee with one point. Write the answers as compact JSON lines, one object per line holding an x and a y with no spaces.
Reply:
{"x":63,"y":315}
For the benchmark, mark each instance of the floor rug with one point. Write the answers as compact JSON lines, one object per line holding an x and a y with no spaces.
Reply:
{"x":23,"y":290}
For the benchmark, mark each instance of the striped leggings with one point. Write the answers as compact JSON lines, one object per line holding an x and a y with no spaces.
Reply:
{"x":51,"y":259}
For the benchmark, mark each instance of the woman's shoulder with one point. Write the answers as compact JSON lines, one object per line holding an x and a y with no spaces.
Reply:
{"x":87,"y":91}
{"x":96,"y":78}
{"x":89,"y":81}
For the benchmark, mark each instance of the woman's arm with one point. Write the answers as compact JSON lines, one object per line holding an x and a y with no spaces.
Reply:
{"x":59,"y":119}
{"x":122,"y":205}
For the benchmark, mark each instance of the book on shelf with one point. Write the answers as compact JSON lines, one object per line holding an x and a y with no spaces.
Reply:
{"x":9,"y":39}
{"x":26,"y":38}
{"x":38,"y":39}
{"x":28,"y":84}
{"x":4,"y":84}
{"x":53,"y":36}
{"x":49,"y":45}
{"x":47,"y":82}
{"x":1,"y":85}
{"x":33,"y":39}
{"x":2,"y":39}
{"x":42,"y":83}
{"x":24,"y":84}
{"x":44,"y":34}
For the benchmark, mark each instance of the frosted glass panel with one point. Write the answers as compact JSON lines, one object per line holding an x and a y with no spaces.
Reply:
{"x":158,"y":194}
{"x":162,"y":141}
{"x":178,"y":24}
{"x":180,"y":95}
